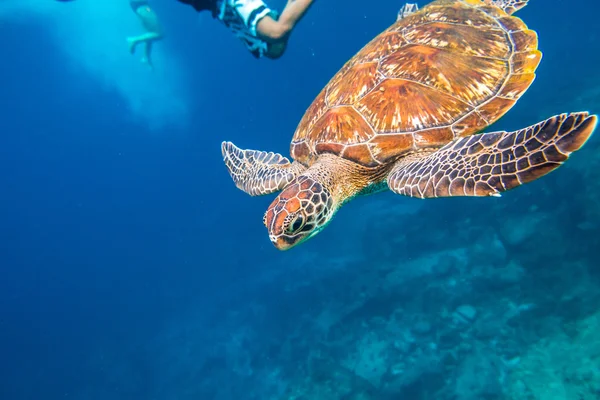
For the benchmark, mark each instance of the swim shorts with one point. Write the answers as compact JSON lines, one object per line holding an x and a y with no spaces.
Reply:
{"x":242,"y":17}
{"x":135,"y":4}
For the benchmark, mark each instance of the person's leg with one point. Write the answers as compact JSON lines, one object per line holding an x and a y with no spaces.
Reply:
{"x":150,"y":22}
{"x":274,"y":31}
{"x":147,"y":58}
{"x":132,"y":42}
{"x":148,"y":37}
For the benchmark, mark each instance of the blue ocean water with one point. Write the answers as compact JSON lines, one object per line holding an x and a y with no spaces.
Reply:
{"x":132,"y":268}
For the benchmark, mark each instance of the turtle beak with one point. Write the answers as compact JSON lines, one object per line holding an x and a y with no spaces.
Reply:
{"x":282,"y":242}
{"x":285,"y":242}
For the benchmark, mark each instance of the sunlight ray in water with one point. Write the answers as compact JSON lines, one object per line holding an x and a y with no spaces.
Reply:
{"x":92,"y":35}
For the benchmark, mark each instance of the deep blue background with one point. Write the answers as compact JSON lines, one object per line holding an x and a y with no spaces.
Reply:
{"x":107,"y":230}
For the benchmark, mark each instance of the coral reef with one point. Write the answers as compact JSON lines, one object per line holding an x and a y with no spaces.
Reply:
{"x":454,"y":299}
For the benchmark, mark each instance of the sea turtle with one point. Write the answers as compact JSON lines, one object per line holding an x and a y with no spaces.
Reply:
{"x":405,"y":113}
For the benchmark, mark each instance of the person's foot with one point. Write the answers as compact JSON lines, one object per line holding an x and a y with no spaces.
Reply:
{"x":147,"y":62}
{"x":131,"y":43}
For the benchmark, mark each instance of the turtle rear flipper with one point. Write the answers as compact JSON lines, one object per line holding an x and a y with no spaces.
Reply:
{"x":406,"y":10}
{"x":259,"y":172}
{"x":509,"y":6}
{"x":490,"y":163}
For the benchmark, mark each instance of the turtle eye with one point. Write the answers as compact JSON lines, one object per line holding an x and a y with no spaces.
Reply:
{"x":297,"y":223}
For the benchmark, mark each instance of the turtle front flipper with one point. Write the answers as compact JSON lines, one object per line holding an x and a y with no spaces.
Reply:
{"x":490,"y":163}
{"x":259,"y":172}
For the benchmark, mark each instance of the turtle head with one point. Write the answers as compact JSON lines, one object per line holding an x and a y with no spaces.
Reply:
{"x":300,"y":211}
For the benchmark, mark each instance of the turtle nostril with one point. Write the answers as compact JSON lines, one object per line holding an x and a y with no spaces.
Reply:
{"x":273,"y":238}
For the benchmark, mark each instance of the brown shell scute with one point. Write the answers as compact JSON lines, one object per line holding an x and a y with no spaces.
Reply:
{"x":463,"y":39}
{"x":526,"y":62}
{"x":447,"y":71}
{"x":312,"y":115}
{"x":342,"y":125}
{"x":382,"y":46}
{"x":353,"y":84}
{"x":407,"y":106}
{"x":470,"y":79}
